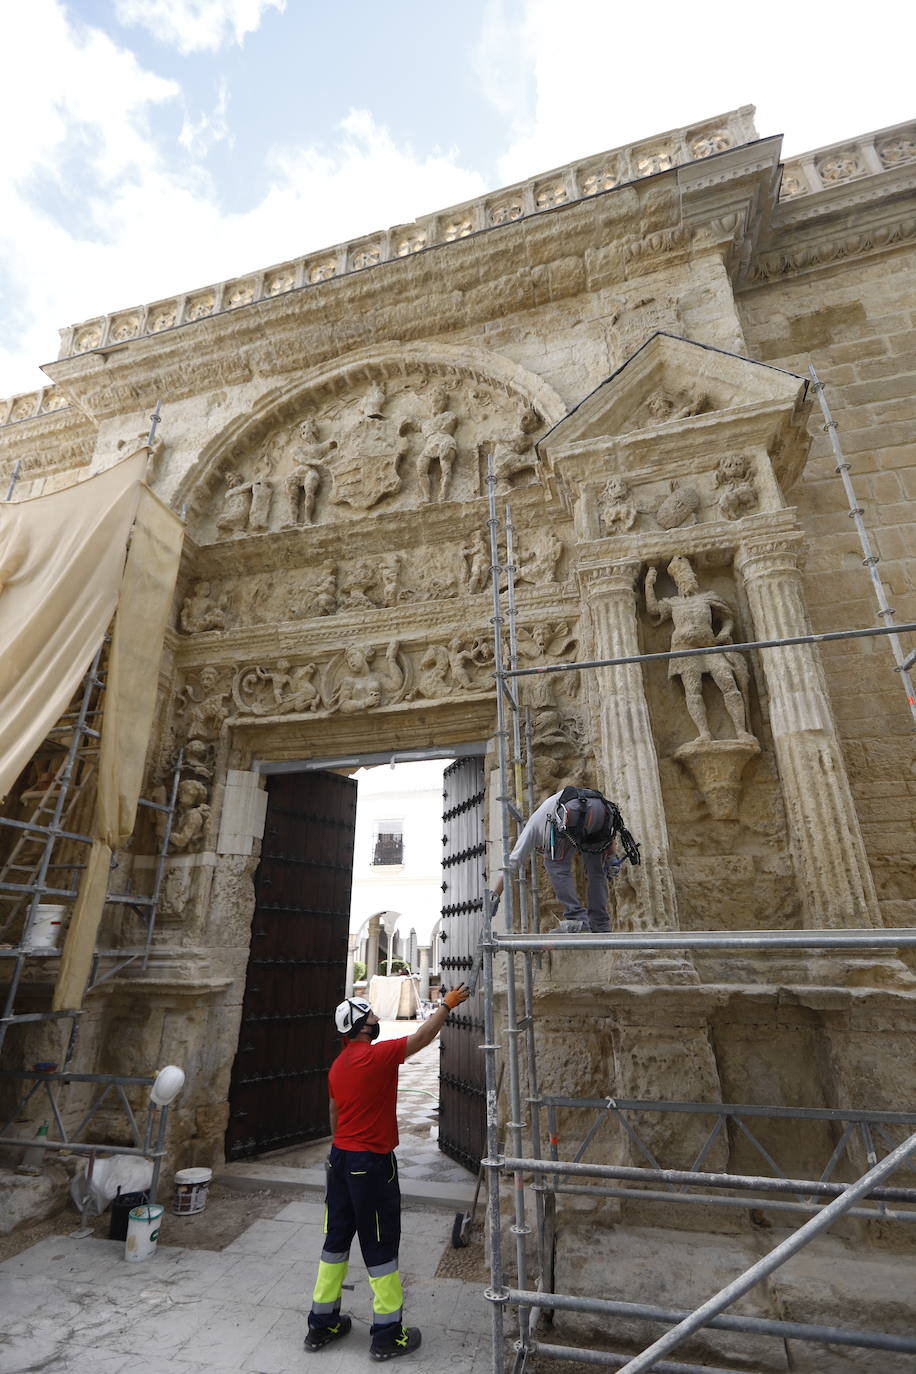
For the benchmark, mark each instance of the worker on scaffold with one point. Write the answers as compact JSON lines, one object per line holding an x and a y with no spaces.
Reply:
{"x":363,"y":1196}
{"x":576,"y":820}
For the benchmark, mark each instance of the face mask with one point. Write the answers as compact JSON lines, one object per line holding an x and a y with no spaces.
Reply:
{"x":374,"y":1031}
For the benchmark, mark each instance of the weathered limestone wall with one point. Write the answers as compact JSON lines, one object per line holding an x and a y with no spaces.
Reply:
{"x":856,"y":322}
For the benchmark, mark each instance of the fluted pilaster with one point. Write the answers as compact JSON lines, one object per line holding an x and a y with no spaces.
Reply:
{"x":628,"y":759}
{"x":828,"y":851}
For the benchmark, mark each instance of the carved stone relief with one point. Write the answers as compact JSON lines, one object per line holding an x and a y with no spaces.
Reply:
{"x":390,"y":443}
{"x":702,"y":620}
{"x":738,"y":493}
{"x":200,"y":612}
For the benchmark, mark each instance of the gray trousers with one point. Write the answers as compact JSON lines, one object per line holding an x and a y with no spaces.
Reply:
{"x":559,"y":871}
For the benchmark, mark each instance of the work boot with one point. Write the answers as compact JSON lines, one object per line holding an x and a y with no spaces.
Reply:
{"x":320,"y":1336}
{"x":571,"y":926}
{"x":393,"y":1341}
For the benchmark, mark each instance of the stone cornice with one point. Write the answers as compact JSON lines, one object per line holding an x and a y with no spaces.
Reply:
{"x":714,"y":539}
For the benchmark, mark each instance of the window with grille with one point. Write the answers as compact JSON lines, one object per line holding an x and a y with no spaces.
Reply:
{"x":388,"y":845}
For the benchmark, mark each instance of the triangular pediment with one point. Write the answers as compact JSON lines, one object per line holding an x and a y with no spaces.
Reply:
{"x":667,"y":381}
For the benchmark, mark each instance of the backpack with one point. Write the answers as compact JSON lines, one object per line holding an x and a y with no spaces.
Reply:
{"x":590,"y":822}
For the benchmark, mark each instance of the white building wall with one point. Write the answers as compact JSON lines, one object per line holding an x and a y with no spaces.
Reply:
{"x":410,"y":893}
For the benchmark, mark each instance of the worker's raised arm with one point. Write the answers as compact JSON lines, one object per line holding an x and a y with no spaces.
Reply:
{"x":427,"y":1030}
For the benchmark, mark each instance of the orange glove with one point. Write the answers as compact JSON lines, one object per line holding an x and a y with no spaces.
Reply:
{"x":456,"y":996}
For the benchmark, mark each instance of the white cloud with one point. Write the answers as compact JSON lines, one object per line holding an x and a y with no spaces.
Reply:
{"x":143,"y":225}
{"x":197,"y":135}
{"x":196,"y":25}
{"x":576,"y":76}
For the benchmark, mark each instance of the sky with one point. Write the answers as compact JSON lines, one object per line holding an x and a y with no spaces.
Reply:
{"x":153,"y":146}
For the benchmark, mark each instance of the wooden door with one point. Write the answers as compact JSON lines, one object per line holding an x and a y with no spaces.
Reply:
{"x":297,"y":966}
{"x":462,"y":1092}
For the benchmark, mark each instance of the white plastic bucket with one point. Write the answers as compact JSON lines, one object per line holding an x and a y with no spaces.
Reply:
{"x":143,"y":1231}
{"x":47,"y":923}
{"x":191,"y":1191}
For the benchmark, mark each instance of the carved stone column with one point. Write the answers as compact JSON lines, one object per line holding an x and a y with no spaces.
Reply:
{"x":372,"y":948}
{"x":352,"y":945}
{"x":627,"y":757}
{"x":835,"y":881}
{"x":424,"y":953}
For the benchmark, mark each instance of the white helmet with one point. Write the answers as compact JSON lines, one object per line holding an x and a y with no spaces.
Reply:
{"x":350,"y":1016}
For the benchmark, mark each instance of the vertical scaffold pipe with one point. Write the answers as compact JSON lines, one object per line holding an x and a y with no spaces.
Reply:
{"x":497,"y":1292}
{"x":521,"y":800}
{"x":870,"y":558}
{"x":515,"y":1125}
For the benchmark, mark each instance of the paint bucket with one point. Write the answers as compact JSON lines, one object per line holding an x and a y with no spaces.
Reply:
{"x":44,"y":931}
{"x":143,"y":1231}
{"x":191,"y":1191}
{"x":121,"y":1207}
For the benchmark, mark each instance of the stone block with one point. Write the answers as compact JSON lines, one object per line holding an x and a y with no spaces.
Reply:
{"x":28,"y":1198}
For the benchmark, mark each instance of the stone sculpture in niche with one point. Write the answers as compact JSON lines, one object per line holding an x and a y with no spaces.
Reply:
{"x":694,"y":615}
{"x":702,"y":620}
{"x":300,"y":486}
{"x":200,"y":612}
{"x":663,"y":408}
{"x":515,"y":454}
{"x":615,"y":508}
{"x":738,"y":494}
{"x":370,"y":454}
{"x":439,"y":446}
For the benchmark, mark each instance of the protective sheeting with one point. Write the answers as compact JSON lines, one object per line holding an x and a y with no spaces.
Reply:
{"x":133,"y":664}
{"x":131,"y":687}
{"x":61,"y":561}
{"x":79,"y":947}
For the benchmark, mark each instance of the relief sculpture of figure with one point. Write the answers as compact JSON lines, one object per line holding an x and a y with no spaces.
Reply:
{"x":362,"y":688}
{"x":261,"y":492}
{"x":192,"y":814}
{"x":476,"y":556}
{"x":540,"y":564}
{"x":204,"y":706}
{"x":616,"y":508}
{"x":300,"y":486}
{"x":439,"y":446}
{"x":738,"y":494}
{"x":236,"y":505}
{"x":516,"y":453}
{"x":199,"y":611}
{"x":694,"y":614}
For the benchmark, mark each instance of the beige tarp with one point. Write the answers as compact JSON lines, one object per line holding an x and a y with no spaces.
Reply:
{"x":61,"y":559}
{"x":133,"y":664}
{"x":130,"y":701}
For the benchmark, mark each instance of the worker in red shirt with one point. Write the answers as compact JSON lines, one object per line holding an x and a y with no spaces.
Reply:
{"x":363,"y":1196}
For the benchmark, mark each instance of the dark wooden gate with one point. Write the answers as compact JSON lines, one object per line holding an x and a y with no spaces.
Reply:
{"x":297,"y":966}
{"x":462,"y":1096}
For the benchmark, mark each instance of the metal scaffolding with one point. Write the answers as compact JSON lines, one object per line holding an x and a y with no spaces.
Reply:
{"x":537,"y":1179}
{"x":46,"y":856}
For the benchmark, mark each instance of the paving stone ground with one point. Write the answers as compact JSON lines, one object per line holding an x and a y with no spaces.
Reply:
{"x":71,"y":1306}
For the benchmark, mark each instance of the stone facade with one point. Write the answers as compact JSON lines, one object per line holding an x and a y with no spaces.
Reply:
{"x":629,"y":337}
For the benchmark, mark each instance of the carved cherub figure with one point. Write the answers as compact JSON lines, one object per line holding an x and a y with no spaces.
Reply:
{"x":694,"y":615}
{"x":193,"y":814}
{"x":200,"y":612}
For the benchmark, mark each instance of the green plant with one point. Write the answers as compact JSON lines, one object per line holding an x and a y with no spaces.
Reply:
{"x":359,"y":970}
{"x":397,"y":966}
